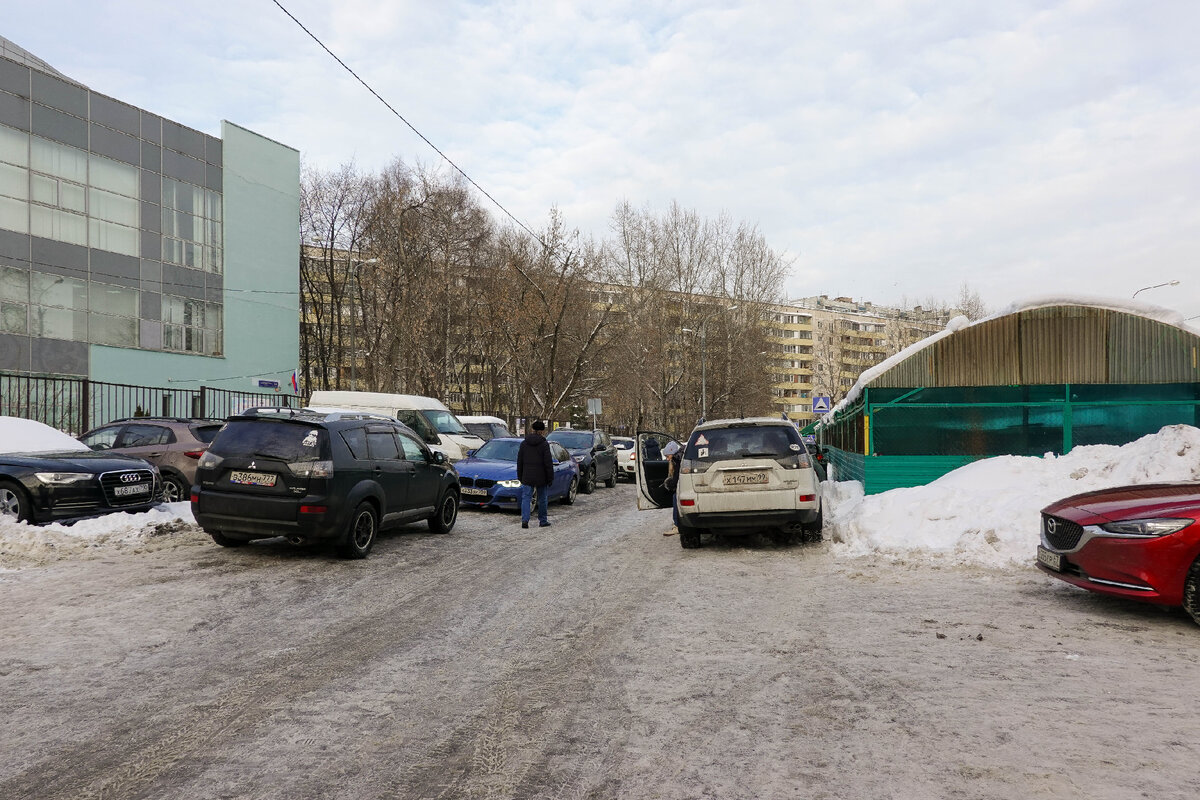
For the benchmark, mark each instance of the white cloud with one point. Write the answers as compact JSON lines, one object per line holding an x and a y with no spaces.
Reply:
{"x":896,"y":148}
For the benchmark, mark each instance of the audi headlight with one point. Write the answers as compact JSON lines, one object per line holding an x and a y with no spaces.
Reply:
{"x":1146,"y":528}
{"x":509,"y":484}
{"x":62,"y":478}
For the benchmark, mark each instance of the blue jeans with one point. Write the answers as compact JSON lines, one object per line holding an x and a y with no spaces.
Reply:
{"x":543,"y":502}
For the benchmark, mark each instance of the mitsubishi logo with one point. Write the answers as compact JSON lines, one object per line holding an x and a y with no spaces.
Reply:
{"x":130,"y":477}
{"x":1051,"y":525}
{"x":252,"y":466}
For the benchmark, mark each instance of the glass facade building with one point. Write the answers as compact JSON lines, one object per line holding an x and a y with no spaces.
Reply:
{"x":113,"y":233}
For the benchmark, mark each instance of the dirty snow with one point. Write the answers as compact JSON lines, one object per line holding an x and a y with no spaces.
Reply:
{"x":19,"y":435}
{"x":983,"y":514}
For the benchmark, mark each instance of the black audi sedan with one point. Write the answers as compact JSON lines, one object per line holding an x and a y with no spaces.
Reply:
{"x":47,"y":476}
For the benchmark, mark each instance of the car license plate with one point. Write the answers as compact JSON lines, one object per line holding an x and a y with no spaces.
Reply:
{"x":743,"y":478}
{"x":1049,"y":558}
{"x":474,"y":491}
{"x":252,"y":478}
{"x":137,"y":488}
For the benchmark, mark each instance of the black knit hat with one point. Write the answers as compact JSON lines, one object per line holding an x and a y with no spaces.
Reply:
{"x":538,"y":425}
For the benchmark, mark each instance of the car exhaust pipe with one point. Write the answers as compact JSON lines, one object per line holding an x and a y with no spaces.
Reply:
{"x":296,"y":539}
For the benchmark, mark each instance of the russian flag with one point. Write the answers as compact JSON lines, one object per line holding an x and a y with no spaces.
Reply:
{"x":295,"y":383}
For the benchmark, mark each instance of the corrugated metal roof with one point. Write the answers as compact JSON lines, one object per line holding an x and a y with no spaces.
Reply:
{"x":1051,"y":345}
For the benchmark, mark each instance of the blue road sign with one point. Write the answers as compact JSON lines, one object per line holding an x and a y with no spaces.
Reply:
{"x":821,"y":405}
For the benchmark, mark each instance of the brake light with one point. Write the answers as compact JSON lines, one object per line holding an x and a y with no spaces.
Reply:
{"x":195,"y":497}
{"x":633,"y":456}
{"x":687,"y":502}
{"x":807,"y":498}
{"x":313,"y":509}
{"x":193,"y":453}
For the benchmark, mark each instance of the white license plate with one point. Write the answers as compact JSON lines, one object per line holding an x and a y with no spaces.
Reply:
{"x":137,"y":488}
{"x":252,"y":478}
{"x":473,"y":491}
{"x":743,"y":478}
{"x":1049,"y":558}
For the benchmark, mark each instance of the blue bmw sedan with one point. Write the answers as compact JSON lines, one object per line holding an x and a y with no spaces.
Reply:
{"x":488,"y":477}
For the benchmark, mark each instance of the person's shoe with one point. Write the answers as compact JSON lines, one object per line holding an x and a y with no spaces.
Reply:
{"x":545,"y":524}
{"x":671,"y":532}
{"x":524,"y":524}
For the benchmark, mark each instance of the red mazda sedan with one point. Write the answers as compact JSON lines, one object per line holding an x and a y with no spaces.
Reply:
{"x":1138,"y":542}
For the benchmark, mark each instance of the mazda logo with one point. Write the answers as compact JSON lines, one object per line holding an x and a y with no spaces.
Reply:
{"x":1051,"y":525}
{"x":131,"y":477}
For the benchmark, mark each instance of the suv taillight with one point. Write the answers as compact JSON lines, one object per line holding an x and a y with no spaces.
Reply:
{"x":311,"y":469}
{"x":193,"y":453}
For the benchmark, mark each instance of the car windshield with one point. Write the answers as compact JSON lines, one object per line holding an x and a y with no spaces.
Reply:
{"x":499,"y":450}
{"x":445,"y":422}
{"x":285,"y":441}
{"x":623,"y":444}
{"x":572,"y":440}
{"x":760,"y":441}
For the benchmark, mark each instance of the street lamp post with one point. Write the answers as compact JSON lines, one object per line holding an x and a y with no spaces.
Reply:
{"x":704,"y":358}
{"x":1156,"y":286}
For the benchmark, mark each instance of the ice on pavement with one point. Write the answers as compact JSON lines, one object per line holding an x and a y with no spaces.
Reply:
{"x":986,"y":513}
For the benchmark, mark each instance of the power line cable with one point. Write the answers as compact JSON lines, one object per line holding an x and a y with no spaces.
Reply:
{"x":411,"y":127}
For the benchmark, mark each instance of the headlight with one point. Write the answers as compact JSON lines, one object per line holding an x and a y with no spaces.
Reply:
{"x":578,"y":459}
{"x":62,"y":478}
{"x":509,"y":484}
{"x":311,"y":469}
{"x":1146,"y":528}
{"x":209,"y":460}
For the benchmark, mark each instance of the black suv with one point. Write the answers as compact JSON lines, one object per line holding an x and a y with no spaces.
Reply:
{"x":595,"y":454}
{"x":320,"y":477}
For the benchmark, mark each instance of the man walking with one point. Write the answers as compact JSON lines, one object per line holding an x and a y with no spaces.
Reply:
{"x":535,"y":471}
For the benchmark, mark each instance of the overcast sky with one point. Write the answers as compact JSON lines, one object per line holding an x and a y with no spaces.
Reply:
{"x":892,"y":150}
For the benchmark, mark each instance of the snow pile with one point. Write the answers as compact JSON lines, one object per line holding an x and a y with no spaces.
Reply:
{"x":166,"y":525}
{"x":988,"y":512}
{"x":19,"y":435}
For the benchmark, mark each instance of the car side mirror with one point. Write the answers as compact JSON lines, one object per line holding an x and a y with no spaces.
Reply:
{"x":439,"y":457}
{"x":471,"y":452}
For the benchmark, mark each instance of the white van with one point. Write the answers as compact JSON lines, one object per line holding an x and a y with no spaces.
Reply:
{"x":485,"y":427}
{"x":432,"y":421}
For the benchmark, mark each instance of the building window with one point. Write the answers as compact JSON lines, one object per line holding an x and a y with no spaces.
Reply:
{"x":191,"y":226}
{"x":191,"y":326}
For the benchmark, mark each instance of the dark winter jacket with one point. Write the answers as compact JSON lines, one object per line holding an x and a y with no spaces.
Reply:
{"x":535,"y":467}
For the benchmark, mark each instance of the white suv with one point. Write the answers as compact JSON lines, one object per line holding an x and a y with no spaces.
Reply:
{"x":738,"y":476}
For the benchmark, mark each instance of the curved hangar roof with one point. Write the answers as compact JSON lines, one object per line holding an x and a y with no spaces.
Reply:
{"x":1051,"y":343}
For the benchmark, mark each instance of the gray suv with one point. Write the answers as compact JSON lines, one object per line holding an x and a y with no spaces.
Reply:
{"x":173,"y":444}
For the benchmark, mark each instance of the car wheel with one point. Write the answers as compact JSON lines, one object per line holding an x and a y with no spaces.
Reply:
{"x":589,"y":480}
{"x":689,"y":537}
{"x":14,"y":505}
{"x":812,"y":532}
{"x":1191,"y":592}
{"x":360,"y":535}
{"x":224,"y":540}
{"x":612,"y":479}
{"x":174,"y":489}
{"x":572,"y":492}
{"x":447,"y":514}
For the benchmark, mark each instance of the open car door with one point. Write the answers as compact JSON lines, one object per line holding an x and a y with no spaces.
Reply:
{"x":651,"y":470}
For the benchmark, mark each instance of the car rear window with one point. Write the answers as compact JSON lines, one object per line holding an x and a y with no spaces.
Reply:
{"x":205,"y":433}
{"x":287,"y":441}
{"x":621,"y":444}
{"x":764,"y":441}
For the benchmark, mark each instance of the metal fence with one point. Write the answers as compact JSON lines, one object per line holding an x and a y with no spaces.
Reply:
{"x":76,"y":405}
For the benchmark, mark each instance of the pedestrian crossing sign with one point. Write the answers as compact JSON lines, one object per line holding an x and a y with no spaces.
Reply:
{"x":821,"y":405}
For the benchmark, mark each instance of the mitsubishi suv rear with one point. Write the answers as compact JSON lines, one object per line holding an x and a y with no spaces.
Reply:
{"x":319,"y":477}
{"x":738,"y":476}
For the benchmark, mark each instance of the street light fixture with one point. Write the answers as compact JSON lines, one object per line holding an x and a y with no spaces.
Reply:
{"x":703,"y":357}
{"x":1156,"y":286}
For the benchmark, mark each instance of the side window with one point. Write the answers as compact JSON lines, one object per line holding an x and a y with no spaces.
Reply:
{"x":206,"y":433}
{"x":145,"y":436}
{"x":413,"y":450}
{"x":356,"y":440}
{"x":415,"y":421}
{"x":559,"y":453}
{"x":381,"y":444}
{"x":102,"y":439}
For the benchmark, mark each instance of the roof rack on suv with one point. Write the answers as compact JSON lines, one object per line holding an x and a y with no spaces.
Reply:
{"x":158,"y":418}
{"x":326,"y":415}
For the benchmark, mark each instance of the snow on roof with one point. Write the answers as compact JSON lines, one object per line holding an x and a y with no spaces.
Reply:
{"x":1158,"y":313}
{"x":19,"y":435}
